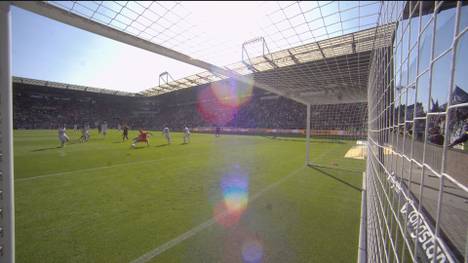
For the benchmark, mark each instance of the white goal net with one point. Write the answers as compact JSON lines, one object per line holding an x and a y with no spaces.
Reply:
{"x":417,"y":195}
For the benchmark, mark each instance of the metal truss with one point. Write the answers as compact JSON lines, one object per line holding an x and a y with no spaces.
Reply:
{"x":167,"y":28}
{"x":53,"y":84}
{"x":326,"y":72}
{"x":283,"y":24}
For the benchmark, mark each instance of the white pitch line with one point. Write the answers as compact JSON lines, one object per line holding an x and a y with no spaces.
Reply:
{"x":86,"y":170}
{"x":190,"y":233}
{"x":94,"y":169}
{"x":177,"y":240}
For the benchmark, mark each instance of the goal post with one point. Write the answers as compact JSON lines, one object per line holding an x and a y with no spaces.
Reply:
{"x":307,"y":160}
{"x":333,"y":124}
{"x":7,"y":225}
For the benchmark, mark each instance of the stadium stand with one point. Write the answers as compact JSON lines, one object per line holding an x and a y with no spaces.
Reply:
{"x":37,"y":106}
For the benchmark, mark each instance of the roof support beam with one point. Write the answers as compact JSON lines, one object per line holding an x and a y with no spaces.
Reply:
{"x":294,"y":58}
{"x":250,"y":67}
{"x":192,"y":81}
{"x":353,"y":45}
{"x":271,"y":62}
{"x":321,"y":51}
{"x":163,"y":87}
{"x":174,"y":87}
{"x":64,"y":16}
{"x":204,"y":78}
{"x":180,"y":83}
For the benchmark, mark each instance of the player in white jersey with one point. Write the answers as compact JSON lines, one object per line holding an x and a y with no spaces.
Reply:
{"x":62,"y":135}
{"x":167,"y":134}
{"x":186,"y":135}
{"x":104,"y":128}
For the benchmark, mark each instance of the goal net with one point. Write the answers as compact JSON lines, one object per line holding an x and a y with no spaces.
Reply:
{"x":339,"y":121}
{"x":417,"y":193}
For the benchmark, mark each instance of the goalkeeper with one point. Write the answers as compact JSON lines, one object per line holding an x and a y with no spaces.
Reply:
{"x":142,"y":137}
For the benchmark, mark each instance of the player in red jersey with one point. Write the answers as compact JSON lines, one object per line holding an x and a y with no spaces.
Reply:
{"x":142,"y":137}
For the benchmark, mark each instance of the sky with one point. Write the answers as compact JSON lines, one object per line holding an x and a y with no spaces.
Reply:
{"x":48,"y":50}
{"x":211,"y":31}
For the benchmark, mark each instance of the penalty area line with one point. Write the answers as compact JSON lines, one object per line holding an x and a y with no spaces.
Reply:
{"x":192,"y":232}
{"x":86,"y":170}
{"x":101,"y":168}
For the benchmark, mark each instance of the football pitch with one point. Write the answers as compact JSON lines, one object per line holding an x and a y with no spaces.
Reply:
{"x":228,"y":199}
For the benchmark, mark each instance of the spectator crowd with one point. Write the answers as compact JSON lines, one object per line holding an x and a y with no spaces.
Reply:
{"x":38,"y":107}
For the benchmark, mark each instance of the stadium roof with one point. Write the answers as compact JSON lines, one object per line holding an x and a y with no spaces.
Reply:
{"x":60,"y":85}
{"x":320,"y":72}
{"x":304,"y":50}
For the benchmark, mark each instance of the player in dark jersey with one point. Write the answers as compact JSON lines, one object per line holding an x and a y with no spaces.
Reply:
{"x":217,"y":131}
{"x":84,"y":133}
{"x":125,"y":133}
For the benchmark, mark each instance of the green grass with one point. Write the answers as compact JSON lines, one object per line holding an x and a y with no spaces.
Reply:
{"x":104,"y":202}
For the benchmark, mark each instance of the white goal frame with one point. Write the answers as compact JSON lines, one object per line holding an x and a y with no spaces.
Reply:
{"x":7,"y":208}
{"x":381,"y":227}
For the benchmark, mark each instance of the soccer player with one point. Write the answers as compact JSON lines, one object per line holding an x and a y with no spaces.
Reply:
{"x":84,"y":134}
{"x":125,"y":133}
{"x":62,"y":135}
{"x":75,"y":127}
{"x":218,"y":131}
{"x":142,"y":137}
{"x":463,"y":137}
{"x":167,"y":135}
{"x":186,"y":135}
{"x":104,"y":128}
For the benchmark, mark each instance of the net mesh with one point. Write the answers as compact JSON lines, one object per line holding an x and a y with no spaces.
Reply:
{"x":414,"y":62}
{"x":175,"y":24}
{"x":339,"y":121}
{"x":418,"y":103}
{"x":337,"y":35}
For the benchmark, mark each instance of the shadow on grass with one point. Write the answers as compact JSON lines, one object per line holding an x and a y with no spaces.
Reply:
{"x":303,"y":140}
{"x":139,"y":147}
{"x":334,"y":167}
{"x":161,"y":145}
{"x":46,"y":149}
{"x":328,"y":141}
{"x":95,"y":138}
{"x":334,"y":177}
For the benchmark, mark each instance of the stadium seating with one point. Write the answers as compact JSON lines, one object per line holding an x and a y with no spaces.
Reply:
{"x":41,"y":107}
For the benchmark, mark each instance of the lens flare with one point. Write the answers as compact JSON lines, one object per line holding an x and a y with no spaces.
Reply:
{"x":252,"y":251}
{"x":235,"y":189}
{"x":224,"y":216}
{"x":211,"y":110}
{"x":233,"y":93}
{"x":220,"y":102}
